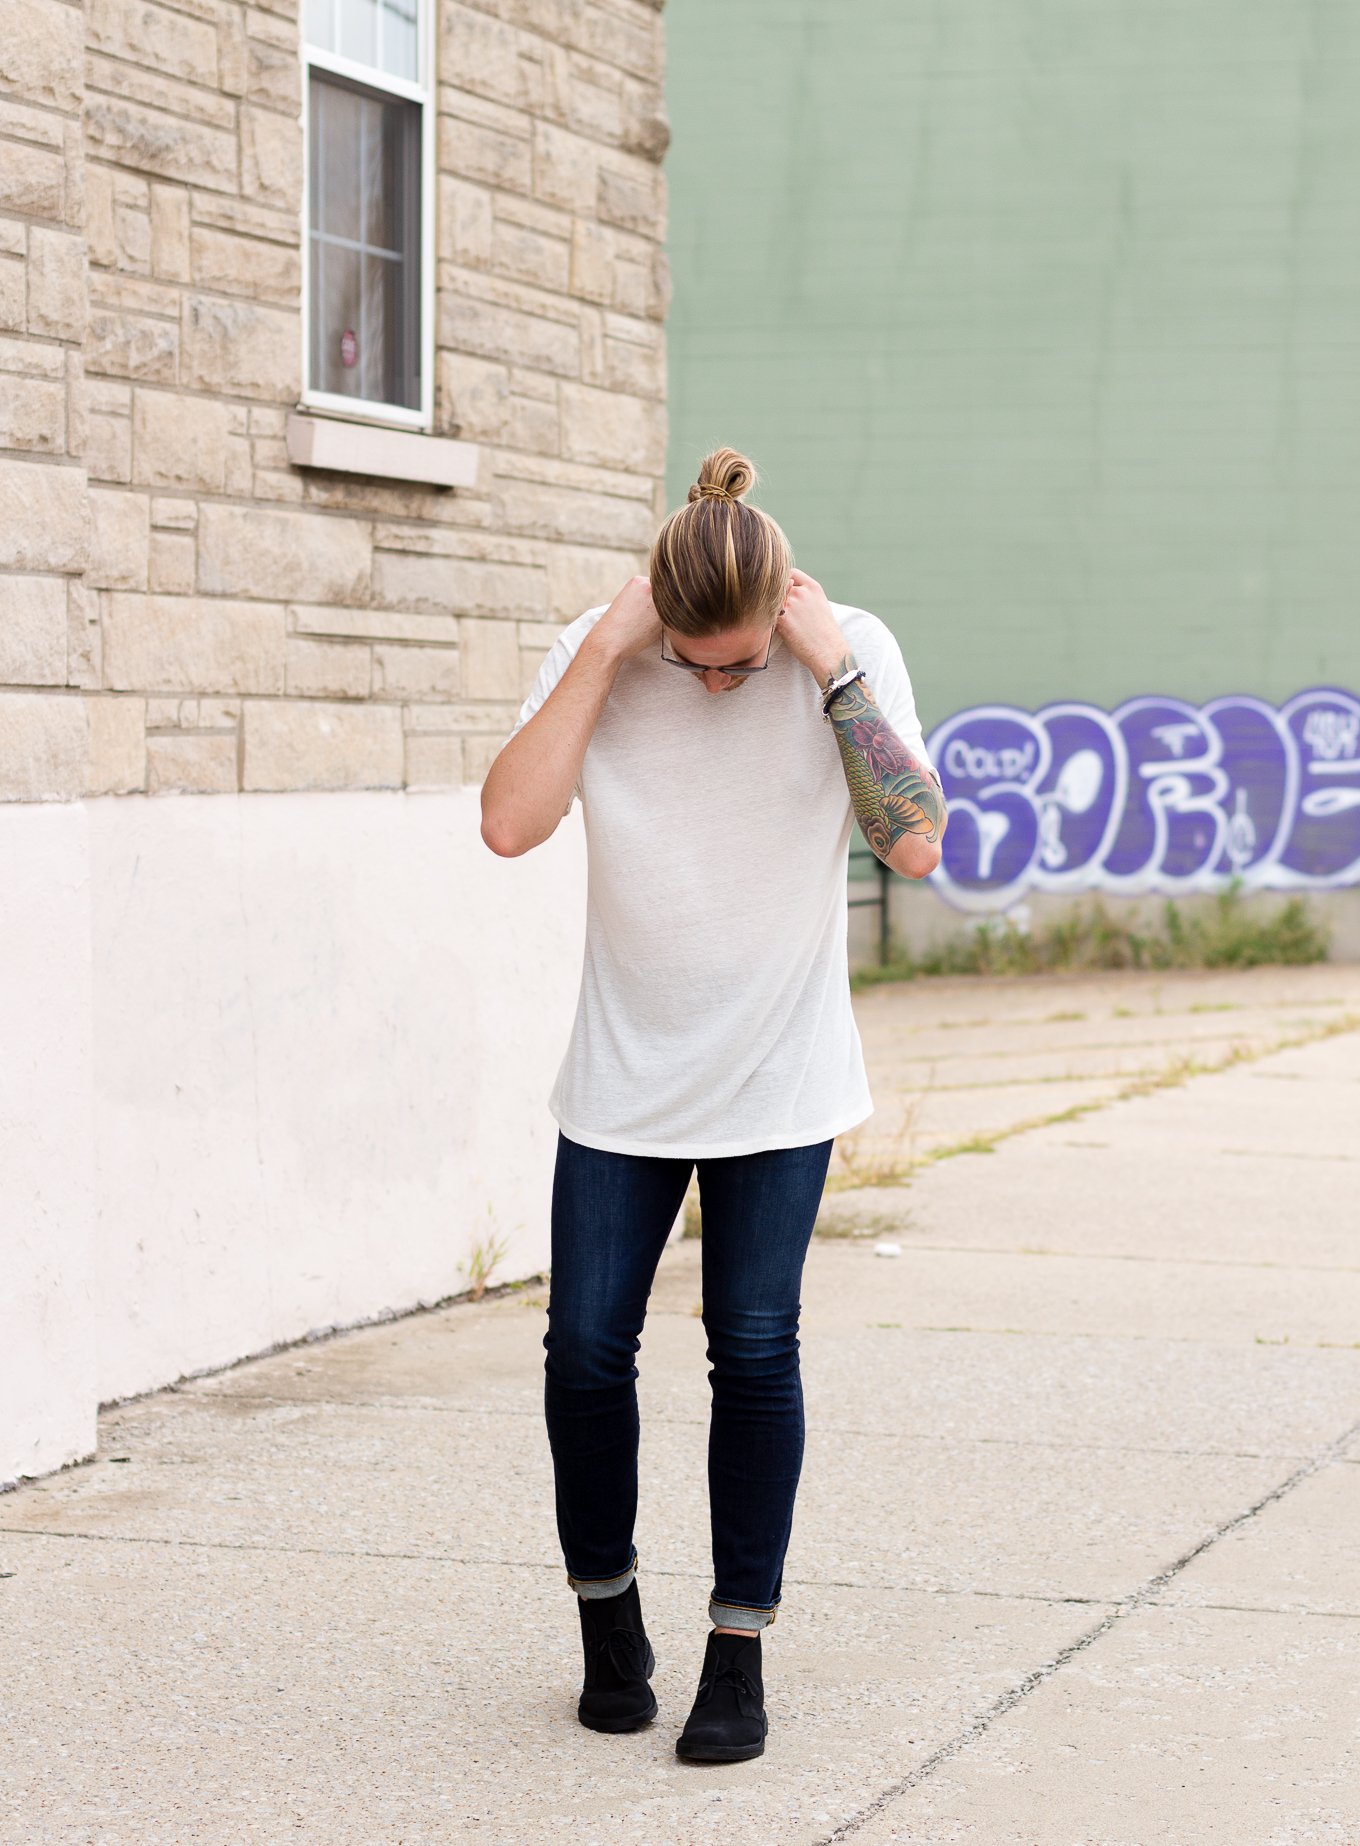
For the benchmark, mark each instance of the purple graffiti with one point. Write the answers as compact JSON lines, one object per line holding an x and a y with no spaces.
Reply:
{"x":1156,"y":796}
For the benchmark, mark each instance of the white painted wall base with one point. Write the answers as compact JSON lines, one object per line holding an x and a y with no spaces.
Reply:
{"x":272,"y":1063}
{"x":48,"y":1201}
{"x":922,"y":921}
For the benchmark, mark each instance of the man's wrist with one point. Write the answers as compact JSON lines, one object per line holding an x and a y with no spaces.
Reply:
{"x":828,"y":662}
{"x":602,"y":642}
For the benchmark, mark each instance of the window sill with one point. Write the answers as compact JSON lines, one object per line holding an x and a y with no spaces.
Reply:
{"x":393,"y":454}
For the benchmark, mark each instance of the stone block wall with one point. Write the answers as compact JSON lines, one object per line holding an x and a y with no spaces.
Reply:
{"x":181,"y":608}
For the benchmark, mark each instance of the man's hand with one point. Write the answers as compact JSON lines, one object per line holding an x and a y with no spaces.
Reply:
{"x":808,"y":628}
{"x":630,"y":624}
{"x":899,"y":805}
{"x":528,"y":788}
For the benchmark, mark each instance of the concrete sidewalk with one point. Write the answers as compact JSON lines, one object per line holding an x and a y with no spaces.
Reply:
{"x":1074,"y":1561}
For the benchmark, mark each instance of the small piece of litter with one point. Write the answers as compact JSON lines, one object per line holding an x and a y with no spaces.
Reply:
{"x":887,"y":1249}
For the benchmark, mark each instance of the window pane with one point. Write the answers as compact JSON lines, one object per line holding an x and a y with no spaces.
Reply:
{"x":379,"y":280}
{"x":374,"y":159}
{"x":364,"y":243}
{"x":383,"y":34}
{"x":359,"y":30}
{"x":318,"y":24}
{"x":399,"y":38}
{"x":336,"y":195}
{"x":341,"y":316}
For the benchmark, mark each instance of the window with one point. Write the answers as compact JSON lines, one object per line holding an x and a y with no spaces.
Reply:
{"x":367,"y":289}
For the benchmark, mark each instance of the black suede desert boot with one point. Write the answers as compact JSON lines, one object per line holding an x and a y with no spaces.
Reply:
{"x":619,"y":1661}
{"x":727,"y":1723}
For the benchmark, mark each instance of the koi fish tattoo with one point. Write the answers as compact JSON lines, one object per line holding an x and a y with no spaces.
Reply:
{"x":891,"y":792}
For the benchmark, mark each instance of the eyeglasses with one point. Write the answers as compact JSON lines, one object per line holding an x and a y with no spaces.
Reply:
{"x":694,"y":666}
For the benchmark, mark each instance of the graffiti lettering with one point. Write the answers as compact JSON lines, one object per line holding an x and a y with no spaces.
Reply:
{"x":1331,"y":735}
{"x":1158,"y":795}
{"x":980,"y":763}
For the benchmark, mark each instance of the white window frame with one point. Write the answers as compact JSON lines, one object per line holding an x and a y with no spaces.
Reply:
{"x":370,"y":410}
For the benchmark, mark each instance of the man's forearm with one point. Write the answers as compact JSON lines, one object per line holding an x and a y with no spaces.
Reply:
{"x":895,"y":797}
{"x":529,"y":785}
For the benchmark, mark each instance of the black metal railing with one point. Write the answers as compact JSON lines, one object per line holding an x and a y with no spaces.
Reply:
{"x":878,"y":897}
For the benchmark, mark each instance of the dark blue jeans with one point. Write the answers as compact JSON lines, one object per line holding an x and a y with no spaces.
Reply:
{"x":611,"y":1215}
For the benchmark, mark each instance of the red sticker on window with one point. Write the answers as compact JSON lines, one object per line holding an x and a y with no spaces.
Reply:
{"x":349,"y":347}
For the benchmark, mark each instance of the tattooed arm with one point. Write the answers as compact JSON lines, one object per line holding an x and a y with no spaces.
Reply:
{"x":898,"y":802}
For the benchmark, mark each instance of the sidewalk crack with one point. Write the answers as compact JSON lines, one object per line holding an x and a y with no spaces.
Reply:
{"x":1138,"y":1599}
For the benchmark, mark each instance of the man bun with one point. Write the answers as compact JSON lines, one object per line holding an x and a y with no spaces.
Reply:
{"x":718,"y":563}
{"x":725,"y":474}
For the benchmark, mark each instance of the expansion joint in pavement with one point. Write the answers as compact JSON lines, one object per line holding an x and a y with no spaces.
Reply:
{"x":1125,"y":1606}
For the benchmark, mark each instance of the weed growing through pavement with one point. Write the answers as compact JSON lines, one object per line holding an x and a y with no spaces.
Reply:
{"x":843,"y":1226}
{"x":1176,"y":1071}
{"x":489,"y":1251}
{"x":871,"y":1163}
{"x":692,"y":1221}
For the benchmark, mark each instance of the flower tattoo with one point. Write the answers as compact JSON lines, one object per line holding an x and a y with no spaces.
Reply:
{"x":891,"y":792}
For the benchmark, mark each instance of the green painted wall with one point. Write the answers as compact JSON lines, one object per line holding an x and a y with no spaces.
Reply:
{"x":1042,"y":323}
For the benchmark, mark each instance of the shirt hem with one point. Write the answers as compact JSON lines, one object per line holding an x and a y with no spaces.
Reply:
{"x":717,"y":1150}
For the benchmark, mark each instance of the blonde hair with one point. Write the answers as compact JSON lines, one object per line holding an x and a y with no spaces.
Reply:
{"x":716,"y":562}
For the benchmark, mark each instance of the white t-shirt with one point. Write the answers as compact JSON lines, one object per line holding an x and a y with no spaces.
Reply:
{"x":714,"y":1012}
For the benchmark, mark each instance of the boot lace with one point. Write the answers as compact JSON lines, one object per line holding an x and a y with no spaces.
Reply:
{"x":730,"y":1674}
{"x":625,"y":1650}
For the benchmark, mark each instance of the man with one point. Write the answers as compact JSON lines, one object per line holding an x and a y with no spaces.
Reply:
{"x":713,"y":1026}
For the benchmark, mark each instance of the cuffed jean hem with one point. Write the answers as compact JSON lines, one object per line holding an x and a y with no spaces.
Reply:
{"x":590,"y":1588}
{"x":740,"y":1614}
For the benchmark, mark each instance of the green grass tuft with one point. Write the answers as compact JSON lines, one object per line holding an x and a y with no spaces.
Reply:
{"x":1226,"y":934}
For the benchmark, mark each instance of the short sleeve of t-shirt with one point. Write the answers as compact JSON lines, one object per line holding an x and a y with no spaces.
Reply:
{"x":876,"y":649}
{"x":555,"y":663}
